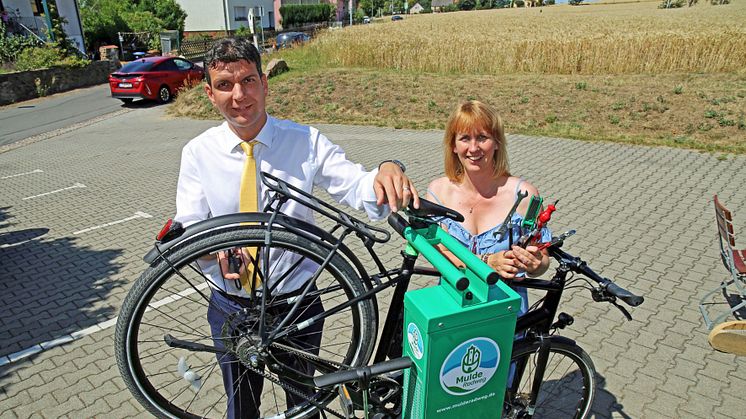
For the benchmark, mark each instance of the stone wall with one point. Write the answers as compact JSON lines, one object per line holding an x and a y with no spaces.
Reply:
{"x":16,"y":87}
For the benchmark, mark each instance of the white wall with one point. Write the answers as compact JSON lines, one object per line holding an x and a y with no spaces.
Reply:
{"x":209,"y":15}
{"x":68,"y":10}
{"x":203,"y":15}
{"x":268,"y":8}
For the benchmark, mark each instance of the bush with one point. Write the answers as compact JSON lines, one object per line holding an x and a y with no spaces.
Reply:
{"x":671,"y":4}
{"x":357,"y":17}
{"x":548,"y":2}
{"x":36,"y":58}
{"x":520,"y":3}
{"x":574,"y":2}
{"x":12,"y":45}
{"x":46,"y":57}
{"x":243,"y":31}
{"x":466,"y":4}
{"x":307,"y":13}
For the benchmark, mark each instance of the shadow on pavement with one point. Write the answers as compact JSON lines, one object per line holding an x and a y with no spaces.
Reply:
{"x":606,"y":405}
{"x":142,"y":104}
{"x":50,"y":288}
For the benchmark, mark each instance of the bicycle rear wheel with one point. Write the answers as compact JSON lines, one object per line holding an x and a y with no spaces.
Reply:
{"x":171,"y":300}
{"x":567,"y":388}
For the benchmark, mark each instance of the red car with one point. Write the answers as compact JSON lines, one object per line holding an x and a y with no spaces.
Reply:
{"x":156,"y":78}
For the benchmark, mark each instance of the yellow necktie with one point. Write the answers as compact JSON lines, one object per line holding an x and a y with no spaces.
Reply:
{"x":249,"y":202}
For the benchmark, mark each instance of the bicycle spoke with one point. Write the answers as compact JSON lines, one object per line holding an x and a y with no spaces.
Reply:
{"x":178,"y":302}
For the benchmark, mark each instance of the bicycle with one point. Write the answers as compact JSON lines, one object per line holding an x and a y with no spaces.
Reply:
{"x":166,"y":355}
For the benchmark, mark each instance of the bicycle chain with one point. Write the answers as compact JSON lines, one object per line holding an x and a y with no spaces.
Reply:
{"x":293,"y":390}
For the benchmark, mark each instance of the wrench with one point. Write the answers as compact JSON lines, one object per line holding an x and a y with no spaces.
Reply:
{"x":500,"y":233}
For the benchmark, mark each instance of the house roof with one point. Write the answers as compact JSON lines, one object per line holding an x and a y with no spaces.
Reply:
{"x":441,"y":3}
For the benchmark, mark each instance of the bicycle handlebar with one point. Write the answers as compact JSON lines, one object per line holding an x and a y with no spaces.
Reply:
{"x":362,"y":373}
{"x":606,"y":285}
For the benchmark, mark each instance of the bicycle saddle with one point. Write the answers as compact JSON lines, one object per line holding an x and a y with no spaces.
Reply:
{"x":429,"y":209}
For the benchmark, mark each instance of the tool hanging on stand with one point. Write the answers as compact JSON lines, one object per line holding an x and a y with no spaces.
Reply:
{"x":535,"y":224}
{"x":507,"y":224}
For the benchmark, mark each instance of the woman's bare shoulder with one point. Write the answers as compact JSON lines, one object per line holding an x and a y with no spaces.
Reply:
{"x":442,"y":188}
{"x":523,"y":185}
{"x":439,"y":185}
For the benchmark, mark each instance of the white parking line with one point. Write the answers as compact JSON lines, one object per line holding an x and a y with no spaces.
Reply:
{"x":7,"y":245}
{"x":15,"y":356}
{"x":77,"y":185}
{"x":22,"y":174}
{"x":138,"y":214}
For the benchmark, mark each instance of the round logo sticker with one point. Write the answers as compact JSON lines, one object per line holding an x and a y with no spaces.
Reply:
{"x":469,"y":366}
{"x":415,"y":340}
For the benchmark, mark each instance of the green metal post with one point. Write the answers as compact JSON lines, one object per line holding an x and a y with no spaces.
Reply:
{"x":49,"y":19}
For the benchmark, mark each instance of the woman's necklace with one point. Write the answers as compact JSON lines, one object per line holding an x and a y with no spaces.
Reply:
{"x":478,"y":201}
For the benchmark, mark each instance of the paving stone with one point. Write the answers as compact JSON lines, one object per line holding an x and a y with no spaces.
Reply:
{"x":701,"y":408}
{"x":666,"y":250}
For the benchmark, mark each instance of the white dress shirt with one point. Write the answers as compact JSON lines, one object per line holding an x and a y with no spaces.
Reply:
{"x":210,"y":182}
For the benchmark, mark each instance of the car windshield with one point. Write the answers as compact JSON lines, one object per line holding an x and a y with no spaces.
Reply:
{"x":136,"y":67}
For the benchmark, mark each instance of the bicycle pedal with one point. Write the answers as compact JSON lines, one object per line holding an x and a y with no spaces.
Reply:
{"x":345,"y":401}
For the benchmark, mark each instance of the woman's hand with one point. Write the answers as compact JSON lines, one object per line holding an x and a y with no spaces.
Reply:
{"x":531,"y":260}
{"x":504,"y":264}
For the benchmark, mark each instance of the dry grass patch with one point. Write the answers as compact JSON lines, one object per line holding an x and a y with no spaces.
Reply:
{"x":704,"y":112}
{"x":659,"y":77}
{"x":627,"y":38}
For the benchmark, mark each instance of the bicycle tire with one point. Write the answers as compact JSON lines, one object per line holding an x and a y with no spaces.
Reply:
{"x":568,"y":387}
{"x":134,"y":341}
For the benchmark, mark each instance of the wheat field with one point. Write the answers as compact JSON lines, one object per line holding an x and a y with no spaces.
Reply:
{"x":626,"y":38}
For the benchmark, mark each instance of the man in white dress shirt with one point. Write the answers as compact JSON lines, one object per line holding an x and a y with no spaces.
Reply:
{"x":210,"y":182}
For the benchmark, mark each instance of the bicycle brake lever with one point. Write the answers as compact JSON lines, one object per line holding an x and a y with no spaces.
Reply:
{"x":623,"y":310}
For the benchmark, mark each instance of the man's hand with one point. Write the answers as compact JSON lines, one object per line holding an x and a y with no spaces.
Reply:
{"x":393,"y":187}
{"x":233,"y":263}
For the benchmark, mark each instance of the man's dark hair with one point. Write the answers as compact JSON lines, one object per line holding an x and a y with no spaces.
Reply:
{"x":231,"y":50}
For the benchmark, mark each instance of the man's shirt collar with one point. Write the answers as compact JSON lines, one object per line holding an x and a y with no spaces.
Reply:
{"x":265,"y":136}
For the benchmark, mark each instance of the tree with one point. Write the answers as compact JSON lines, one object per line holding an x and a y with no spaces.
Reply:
{"x":102,"y":19}
{"x":467,"y":4}
{"x":169,"y":12}
{"x":367,"y":6}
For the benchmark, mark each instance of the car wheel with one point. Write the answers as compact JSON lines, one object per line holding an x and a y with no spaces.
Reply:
{"x":164,"y":94}
{"x":127,"y":100}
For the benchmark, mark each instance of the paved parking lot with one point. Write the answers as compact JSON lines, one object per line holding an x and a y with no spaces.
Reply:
{"x":78,"y":211}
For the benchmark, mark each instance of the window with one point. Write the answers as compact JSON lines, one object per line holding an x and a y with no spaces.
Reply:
{"x":240,"y":14}
{"x":167,"y":66}
{"x":183,"y":65}
{"x":136,"y":67}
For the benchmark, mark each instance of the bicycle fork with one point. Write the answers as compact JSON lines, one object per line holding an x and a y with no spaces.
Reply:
{"x":539,"y":367}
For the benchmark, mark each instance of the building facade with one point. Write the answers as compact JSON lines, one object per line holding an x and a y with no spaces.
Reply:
{"x":28,"y":16}
{"x":224,"y":16}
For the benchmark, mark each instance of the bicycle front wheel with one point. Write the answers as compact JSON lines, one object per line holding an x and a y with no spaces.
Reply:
{"x":173,"y":353}
{"x":567,"y":388}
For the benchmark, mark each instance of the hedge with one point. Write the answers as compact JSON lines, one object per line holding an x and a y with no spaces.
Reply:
{"x":309,"y":13}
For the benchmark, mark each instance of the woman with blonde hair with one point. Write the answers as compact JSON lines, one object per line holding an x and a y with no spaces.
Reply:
{"x":478,"y":184}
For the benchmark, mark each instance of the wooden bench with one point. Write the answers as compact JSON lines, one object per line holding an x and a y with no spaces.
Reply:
{"x":734,"y":261}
